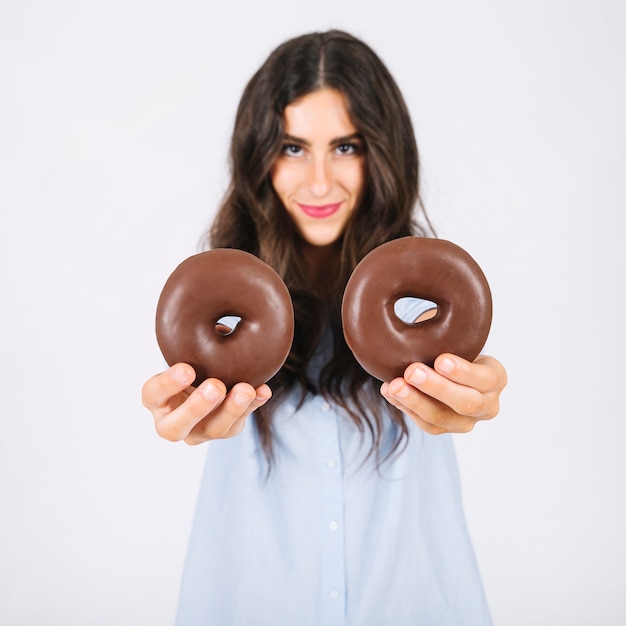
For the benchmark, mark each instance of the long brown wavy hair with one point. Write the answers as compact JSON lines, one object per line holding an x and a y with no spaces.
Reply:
{"x":252,"y":218}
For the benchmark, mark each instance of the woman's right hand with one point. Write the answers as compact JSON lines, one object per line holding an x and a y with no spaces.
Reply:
{"x":182,"y":413}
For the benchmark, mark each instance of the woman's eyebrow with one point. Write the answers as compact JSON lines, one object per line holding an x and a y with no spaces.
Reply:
{"x":334,"y":142}
{"x":294,"y":139}
{"x":346,"y":139}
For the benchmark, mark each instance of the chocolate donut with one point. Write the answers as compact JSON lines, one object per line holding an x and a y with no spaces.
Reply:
{"x":212,"y":285}
{"x":431,"y":269}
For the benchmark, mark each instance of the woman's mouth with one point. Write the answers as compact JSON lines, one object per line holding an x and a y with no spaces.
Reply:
{"x":319,"y":211}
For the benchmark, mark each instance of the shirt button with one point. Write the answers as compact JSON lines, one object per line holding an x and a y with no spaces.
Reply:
{"x":325,"y":407}
{"x":331,"y":464}
{"x":333,"y":526}
{"x":334,"y":594}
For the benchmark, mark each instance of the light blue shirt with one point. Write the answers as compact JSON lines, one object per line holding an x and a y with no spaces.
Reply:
{"x":330,"y":538}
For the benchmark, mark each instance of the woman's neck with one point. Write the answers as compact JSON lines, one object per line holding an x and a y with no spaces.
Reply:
{"x":323,"y":264}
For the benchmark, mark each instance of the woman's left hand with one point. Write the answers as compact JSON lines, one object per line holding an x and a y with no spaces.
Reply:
{"x":452,"y":396}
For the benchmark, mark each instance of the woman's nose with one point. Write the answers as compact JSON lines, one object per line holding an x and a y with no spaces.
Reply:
{"x":319,"y":177}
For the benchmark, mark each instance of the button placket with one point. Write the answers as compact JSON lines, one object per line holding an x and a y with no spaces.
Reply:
{"x":332,"y":546}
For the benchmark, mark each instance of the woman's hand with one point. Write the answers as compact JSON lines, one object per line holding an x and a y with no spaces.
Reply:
{"x":452,"y":396}
{"x":182,"y":413}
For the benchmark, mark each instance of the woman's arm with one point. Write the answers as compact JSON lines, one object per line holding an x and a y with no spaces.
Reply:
{"x":452,"y":396}
{"x":182,"y":413}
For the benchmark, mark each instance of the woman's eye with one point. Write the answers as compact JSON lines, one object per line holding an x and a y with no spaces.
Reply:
{"x":292,"y":149}
{"x":348,"y":148}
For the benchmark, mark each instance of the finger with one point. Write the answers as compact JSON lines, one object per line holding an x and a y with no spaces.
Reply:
{"x":462,"y":399}
{"x":396,"y":393}
{"x":158,"y":390}
{"x":427,"y":427}
{"x":263,"y":394}
{"x":485,"y":374}
{"x":222,"y":423}
{"x":432,"y":416}
{"x":176,"y":424}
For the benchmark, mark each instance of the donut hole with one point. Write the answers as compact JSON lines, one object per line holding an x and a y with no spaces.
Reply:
{"x":226,"y":325}
{"x":413,"y":310}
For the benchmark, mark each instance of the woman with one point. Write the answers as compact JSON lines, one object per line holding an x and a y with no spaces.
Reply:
{"x":332,"y":504}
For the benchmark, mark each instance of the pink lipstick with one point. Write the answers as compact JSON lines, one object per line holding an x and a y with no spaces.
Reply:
{"x":319,"y":211}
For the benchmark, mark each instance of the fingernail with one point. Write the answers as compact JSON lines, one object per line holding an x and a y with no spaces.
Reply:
{"x":398,"y":389}
{"x":418,"y":376}
{"x":181,"y":376}
{"x":211,"y":392}
{"x":447,"y":365}
{"x":263,"y":398}
{"x":242,"y":399}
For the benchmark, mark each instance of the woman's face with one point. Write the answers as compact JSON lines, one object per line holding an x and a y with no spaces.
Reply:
{"x":319,"y":175}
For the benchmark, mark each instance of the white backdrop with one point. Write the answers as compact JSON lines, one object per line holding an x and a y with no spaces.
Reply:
{"x":114,"y":123}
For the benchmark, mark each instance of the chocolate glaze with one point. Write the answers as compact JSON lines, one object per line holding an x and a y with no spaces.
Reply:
{"x":431,"y":269}
{"x":210,"y":285}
